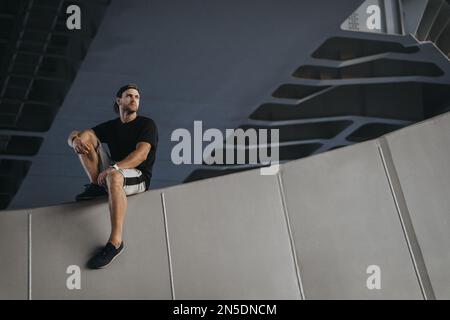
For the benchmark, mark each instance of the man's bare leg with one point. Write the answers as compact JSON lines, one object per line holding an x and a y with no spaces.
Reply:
{"x":90,"y":161}
{"x":117,"y":206}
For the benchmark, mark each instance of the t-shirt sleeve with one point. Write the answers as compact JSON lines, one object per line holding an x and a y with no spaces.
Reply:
{"x":149,"y":133}
{"x":103,"y":131}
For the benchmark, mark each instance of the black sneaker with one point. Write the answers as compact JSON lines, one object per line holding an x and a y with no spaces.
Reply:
{"x":91,"y":191}
{"x":105,"y":256}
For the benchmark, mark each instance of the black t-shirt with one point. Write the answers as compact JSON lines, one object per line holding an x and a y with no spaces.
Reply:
{"x":122,"y":139}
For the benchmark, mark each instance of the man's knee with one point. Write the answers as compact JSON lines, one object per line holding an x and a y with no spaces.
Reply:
{"x":89,"y":137}
{"x":115,"y":180}
{"x":90,"y":141}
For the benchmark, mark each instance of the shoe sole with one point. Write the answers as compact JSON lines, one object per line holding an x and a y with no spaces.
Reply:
{"x":118,"y":254}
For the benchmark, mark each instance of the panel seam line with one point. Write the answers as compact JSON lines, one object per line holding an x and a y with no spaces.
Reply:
{"x":291,"y":238}
{"x":405,"y":220}
{"x":172,"y":287}
{"x":29,"y":257}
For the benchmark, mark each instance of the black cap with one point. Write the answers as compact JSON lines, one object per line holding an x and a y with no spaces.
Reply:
{"x":125,"y":88}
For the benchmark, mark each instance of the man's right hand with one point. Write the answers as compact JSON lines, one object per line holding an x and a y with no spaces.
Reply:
{"x":80,"y":146}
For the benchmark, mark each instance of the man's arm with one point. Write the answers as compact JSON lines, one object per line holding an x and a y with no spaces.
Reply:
{"x":134,"y":159}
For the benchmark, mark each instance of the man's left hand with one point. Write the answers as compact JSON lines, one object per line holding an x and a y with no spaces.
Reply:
{"x":102,"y":176}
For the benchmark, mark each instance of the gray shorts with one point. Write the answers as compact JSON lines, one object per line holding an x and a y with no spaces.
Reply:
{"x":134,"y":180}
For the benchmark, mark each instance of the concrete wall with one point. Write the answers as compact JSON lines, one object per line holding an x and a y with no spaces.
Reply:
{"x":344,"y":220}
{"x":14,"y":255}
{"x":309,"y":232}
{"x":420,"y":155}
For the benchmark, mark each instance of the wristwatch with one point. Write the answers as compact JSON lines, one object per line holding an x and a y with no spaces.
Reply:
{"x":115,"y":166}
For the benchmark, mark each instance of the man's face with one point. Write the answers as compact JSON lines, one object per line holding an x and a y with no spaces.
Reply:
{"x":129,"y":101}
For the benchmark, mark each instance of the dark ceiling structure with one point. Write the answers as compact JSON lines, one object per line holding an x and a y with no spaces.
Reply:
{"x":355,"y":91}
{"x":39,"y":58}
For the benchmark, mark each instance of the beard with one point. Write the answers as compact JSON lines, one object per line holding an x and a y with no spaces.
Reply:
{"x":130,"y":109}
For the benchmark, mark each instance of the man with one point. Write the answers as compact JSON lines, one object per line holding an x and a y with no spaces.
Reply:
{"x":132,"y":141}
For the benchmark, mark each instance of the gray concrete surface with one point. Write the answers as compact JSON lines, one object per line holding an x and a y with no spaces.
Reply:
{"x":421,"y":157}
{"x":14,"y":255}
{"x":229,"y":240}
{"x":344,"y":220}
{"x":64,"y":236}
{"x":228,"y":237}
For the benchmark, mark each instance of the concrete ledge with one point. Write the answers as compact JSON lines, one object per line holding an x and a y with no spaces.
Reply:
{"x":310,"y":232}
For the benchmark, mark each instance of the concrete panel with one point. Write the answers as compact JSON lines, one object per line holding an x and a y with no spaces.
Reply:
{"x":344,"y":220}
{"x":421,"y":155}
{"x":229,"y":239}
{"x":68,"y":235}
{"x":14,"y":255}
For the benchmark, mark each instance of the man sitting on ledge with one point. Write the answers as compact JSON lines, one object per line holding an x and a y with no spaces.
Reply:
{"x":132,"y":141}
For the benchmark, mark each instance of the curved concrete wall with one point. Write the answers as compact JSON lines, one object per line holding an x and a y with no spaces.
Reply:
{"x":309,"y":232}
